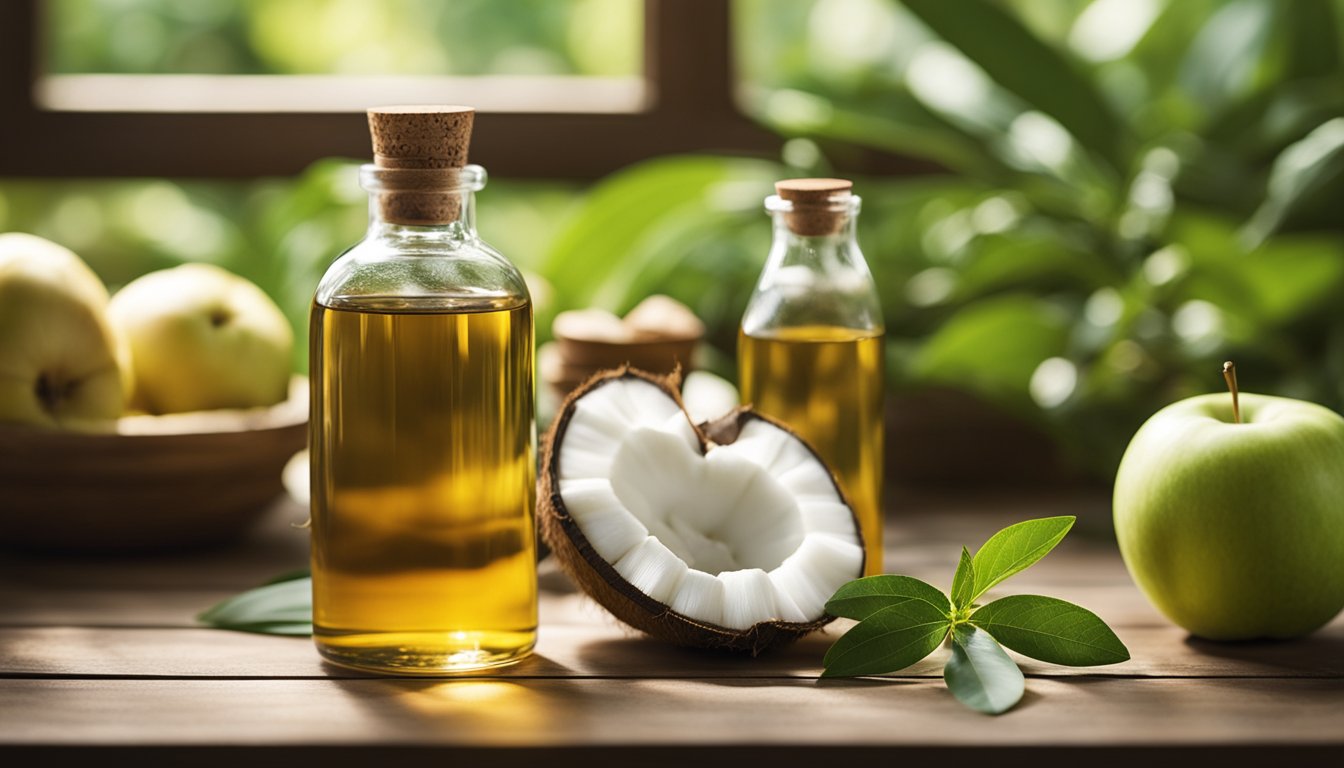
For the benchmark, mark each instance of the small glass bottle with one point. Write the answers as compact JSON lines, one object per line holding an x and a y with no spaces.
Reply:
{"x":810,"y":347}
{"x":422,"y":433}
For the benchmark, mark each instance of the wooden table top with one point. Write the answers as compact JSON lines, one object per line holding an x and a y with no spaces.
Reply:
{"x":104,"y":654}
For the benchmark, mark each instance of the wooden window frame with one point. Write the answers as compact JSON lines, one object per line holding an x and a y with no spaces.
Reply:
{"x":687,"y":105}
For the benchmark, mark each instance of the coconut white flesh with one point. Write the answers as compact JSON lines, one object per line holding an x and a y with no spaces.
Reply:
{"x":652,"y":569}
{"x":820,"y":566}
{"x":741,"y":534}
{"x":809,"y":481}
{"x":829,"y":518}
{"x":700,"y":595}
{"x":608,"y":526}
{"x":772,"y":448}
{"x":707,"y":396}
{"x":602,"y":418}
{"x":748,"y":598}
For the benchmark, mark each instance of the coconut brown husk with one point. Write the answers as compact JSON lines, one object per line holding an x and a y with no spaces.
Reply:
{"x":600,"y":580}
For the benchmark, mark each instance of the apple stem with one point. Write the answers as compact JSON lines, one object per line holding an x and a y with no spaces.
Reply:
{"x":1230,"y":376}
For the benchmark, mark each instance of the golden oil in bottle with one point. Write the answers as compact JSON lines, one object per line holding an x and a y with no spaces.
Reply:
{"x":422,"y":436}
{"x":826,"y":383}
{"x":809,"y":349}
{"x":423,"y":543}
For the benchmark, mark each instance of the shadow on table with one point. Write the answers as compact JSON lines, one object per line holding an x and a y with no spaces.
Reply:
{"x":1317,"y":655}
{"x":643,"y":657}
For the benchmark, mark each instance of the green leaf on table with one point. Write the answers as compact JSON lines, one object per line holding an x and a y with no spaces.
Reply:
{"x":963,"y":581}
{"x":903,"y":619}
{"x":861,"y":598}
{"x":1015,"y":548}
{"x":888,"y":640}
{"x":277,"y":608}
{"x":1051,"y":630}
{"x":980,"y":674}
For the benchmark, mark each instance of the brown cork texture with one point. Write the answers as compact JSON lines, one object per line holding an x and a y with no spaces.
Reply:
{"x":820,"y":206}
{"x":422,"y":148}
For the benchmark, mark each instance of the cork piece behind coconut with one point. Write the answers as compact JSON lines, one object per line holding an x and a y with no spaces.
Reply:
{"x":729,"y":536}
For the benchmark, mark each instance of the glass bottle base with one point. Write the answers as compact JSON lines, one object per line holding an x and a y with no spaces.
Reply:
{"x":424,"y":654}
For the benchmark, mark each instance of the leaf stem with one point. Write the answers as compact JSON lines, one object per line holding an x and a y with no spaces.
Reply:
{"x":1230,"y":376}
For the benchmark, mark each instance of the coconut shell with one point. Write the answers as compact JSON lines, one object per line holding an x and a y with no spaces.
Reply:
{"x":600,"y":580}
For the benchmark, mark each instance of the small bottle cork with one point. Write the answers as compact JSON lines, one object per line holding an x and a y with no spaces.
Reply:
{"x":820,"y":206}
{"x":430,"y":143}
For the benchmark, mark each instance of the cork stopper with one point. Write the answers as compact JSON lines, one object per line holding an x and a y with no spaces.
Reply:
{"x":819,"y":206}
{"x":421,"y":136}
{"x":428,"y":143}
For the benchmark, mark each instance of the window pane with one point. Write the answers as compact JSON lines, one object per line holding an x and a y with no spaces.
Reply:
{"x":361,"y":37}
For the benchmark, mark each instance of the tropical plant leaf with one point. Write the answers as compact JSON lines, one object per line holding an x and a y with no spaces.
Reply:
{"x":1015,"y":548}
{"x":861,"y":598}
{"x":1040,"y":75}
{"x":1221,"y":64}
{"x":963,"y":581}
{"x":980,"y":674}
{"x":1312,"y":46}
{"x":605,"y":241}
{"x":1032,"y":261}
{"x":993,"y":346}
{"x":904,"y":126}
{"x":1258,"y":128}
{"x":888,"y":640}
{"x":1293,"y":275}
{"x":277,"y":608}
{"x":1051,"y":630}
{"x":1299,"y":174}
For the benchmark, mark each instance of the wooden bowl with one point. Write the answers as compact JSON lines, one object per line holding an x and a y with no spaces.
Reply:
{"x":157,"y":482}
{"x":655,"y":356}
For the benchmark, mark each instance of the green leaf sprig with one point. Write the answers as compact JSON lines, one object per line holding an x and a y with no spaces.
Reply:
{"x":281,"y":606}
{"x":902,"y":620}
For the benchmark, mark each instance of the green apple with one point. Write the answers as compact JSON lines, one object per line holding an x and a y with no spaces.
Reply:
{"x":1235,"y":530}
{"x":59,"y":362}
{"x":201,"y":338}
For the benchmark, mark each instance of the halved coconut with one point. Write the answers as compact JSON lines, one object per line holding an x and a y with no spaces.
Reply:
{"x":731,"y":535}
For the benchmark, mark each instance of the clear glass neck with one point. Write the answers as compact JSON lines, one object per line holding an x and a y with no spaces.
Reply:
{"x":422,"y":204}
{"x":821,"y":236}
{"x":815,"y":274}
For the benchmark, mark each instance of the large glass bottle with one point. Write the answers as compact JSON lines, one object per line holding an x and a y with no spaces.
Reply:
{"x":422,"y":431}
{"x":810,"y":347}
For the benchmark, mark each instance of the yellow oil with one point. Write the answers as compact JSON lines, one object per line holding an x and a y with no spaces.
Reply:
{"x":826,"y":383}
{"x":423,"y":451}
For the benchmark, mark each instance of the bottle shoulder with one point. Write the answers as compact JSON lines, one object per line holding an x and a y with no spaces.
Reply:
{"x":464,"y":274}
{"x":817,"y":289}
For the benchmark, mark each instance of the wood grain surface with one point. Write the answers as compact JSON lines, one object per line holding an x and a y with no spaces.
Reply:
{"x":101,"y":657}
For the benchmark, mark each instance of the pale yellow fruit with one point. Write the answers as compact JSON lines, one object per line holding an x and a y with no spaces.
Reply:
{"x":202,"y":338}
{"x":58,"y":356}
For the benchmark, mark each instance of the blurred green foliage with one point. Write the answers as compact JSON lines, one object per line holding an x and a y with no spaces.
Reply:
{"x":1136,"y":190}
